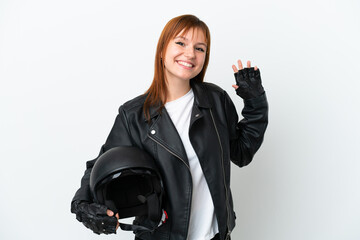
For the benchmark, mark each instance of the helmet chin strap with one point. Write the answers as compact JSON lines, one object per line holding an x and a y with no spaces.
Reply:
{"x":142,"y":229}
{"x":156,"y":216}
{"x":154,"y":212}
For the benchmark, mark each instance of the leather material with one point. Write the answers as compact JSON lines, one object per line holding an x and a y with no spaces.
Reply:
{"x":94,"y":217}
{"x":217,"y":136}
{"x":249,"y":83}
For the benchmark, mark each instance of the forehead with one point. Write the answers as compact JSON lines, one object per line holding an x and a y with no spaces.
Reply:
{"x":192,"y":34}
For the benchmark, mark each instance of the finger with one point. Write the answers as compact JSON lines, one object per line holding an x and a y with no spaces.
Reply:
{"x":235,"y":86}
{"x":234,"y":68}
{"x":240,"y":64}
{"x":117,"y":225}
{"x":109,"y":213}
{"x":248,"y":64}
{"x":256,"y":68}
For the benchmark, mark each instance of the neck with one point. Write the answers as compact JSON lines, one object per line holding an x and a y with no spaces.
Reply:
{"x":177,"y":89}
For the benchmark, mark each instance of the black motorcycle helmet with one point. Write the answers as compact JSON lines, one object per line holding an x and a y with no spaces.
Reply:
{"x":126,"y":180}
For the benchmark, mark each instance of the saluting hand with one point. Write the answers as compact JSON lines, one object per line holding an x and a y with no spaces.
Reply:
{"x":248,"y":81}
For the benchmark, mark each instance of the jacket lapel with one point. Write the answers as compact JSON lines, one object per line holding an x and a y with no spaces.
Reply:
{"x":162,"y":129}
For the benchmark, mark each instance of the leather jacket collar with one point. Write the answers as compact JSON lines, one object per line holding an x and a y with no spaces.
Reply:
{"x":201,"y":99}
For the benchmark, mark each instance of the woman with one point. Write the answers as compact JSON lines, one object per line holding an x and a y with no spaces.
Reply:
{"x":192,"y":131}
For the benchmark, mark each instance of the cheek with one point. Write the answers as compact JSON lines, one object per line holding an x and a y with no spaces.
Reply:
{"x":201,"y":61}
{"x":172,"y":52}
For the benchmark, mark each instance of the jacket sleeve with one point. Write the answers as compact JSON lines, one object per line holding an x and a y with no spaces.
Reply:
{"x":247,"y":135}
{"x":119,"y":136}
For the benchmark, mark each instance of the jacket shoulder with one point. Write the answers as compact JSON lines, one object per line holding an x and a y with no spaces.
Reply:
{"x":211,"y":87}
{"x":134,"y":104}
{"x":214,"y":91}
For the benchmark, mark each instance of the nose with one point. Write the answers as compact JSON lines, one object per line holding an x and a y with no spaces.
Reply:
{"x":189,"y":52}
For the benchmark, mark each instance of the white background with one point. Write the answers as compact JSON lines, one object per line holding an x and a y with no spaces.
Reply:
{"x":66,"y":66}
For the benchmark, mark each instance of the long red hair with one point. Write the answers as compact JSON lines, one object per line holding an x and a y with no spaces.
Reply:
{"x":157,"y":93}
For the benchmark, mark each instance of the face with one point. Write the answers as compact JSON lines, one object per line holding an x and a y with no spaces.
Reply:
{"x":185,"y":56}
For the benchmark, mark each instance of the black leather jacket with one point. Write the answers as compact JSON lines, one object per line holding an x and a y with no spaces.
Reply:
{"x":217,"y":137}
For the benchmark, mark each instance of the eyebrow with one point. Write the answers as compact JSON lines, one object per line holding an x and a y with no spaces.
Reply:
{"x":199,"y":43}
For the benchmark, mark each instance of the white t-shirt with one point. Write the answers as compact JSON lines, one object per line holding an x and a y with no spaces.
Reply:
{"x":203,"y":224}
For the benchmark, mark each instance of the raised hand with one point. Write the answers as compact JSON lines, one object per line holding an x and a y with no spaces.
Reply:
{"x":248,"y":81}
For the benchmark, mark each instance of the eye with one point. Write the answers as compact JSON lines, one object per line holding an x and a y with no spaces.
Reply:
{"x":180,"y":43}
{"x":200,"y":49}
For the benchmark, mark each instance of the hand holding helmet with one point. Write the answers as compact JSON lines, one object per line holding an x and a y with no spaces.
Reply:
{"x":95,"y":217}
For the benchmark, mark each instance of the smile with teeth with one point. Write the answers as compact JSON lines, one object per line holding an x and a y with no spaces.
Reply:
{"x":185,"y":64}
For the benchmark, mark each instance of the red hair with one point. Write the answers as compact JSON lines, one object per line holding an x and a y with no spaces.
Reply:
{"x":157,"y":93}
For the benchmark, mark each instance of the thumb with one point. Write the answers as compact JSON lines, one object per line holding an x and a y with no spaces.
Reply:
{"x":109,"y":213}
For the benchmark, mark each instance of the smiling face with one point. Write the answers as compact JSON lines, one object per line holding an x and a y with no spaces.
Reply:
{"x":185,"y":56}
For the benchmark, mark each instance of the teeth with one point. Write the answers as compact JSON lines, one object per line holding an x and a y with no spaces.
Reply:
{"x":185,"y":64}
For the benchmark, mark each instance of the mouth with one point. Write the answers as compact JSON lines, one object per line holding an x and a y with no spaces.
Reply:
{"x":185,"y":64}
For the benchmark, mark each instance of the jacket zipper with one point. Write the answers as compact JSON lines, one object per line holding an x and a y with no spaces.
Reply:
{"x":171,"y":152}
{"x":226,"y":190}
